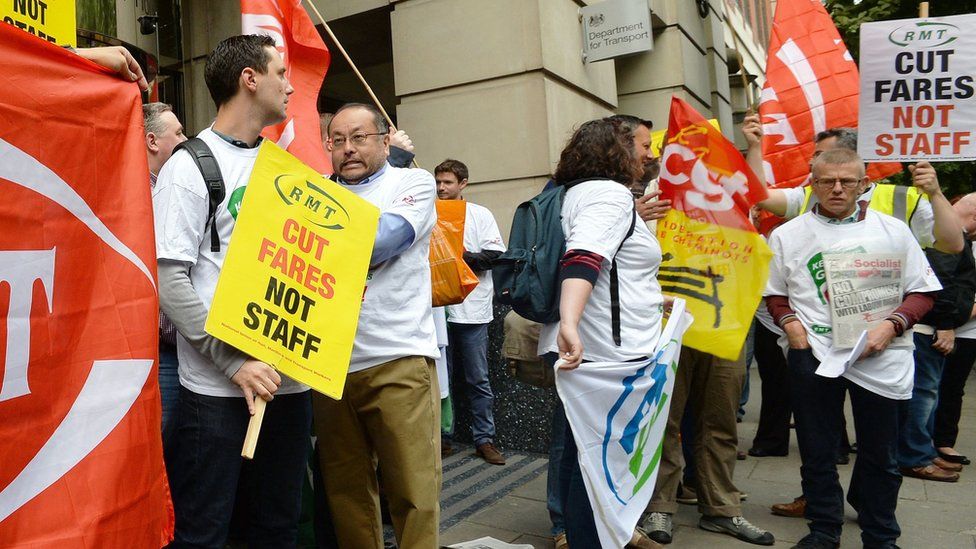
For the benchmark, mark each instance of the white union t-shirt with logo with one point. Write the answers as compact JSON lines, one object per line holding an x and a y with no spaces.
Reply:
{"x":595,"y":217}
{"x":797,"y":272}
{"x":480,"y":234}
{"x":180,"y":204}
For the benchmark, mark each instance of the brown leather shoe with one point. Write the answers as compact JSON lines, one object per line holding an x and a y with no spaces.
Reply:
{"x":793,"y":510}
{"x":489,"y":453}
{"x":640,"y":541}
{"x":947,"y":465}
{"x":930,"y":472}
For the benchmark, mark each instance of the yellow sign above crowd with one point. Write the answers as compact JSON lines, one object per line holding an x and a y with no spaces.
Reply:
{"x":52,"y":20}
{"x":292,"y":283}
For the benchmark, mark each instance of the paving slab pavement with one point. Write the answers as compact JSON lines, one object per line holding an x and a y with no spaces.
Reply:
{"x":931,"y":514}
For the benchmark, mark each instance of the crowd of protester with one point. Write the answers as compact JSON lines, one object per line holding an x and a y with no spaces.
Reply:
{"x":387,"y":435}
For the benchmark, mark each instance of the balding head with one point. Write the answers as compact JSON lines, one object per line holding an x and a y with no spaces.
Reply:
{"x":965,"y":208}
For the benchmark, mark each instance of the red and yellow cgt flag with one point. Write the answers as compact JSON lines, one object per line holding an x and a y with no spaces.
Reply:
{"x":713,"y":256}
{"x":81,"y":459}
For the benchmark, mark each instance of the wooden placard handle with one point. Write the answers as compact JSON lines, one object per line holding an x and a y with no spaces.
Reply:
{"x":923,"y":9}
{"x":254,"y":428}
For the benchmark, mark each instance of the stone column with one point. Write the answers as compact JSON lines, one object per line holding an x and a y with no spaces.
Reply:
{"x":499,"y":85}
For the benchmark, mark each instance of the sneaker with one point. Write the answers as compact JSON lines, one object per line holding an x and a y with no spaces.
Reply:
{"x":489,"y":453}
{"x":737,"y":527}
{"x":658,"y":527}
{"x":795,"y":509}
{"x":559,"y":540}
{"x":687,"y":495}
{"x":815,"y":542}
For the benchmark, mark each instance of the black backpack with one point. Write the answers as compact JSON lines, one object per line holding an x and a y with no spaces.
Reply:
{"x":204,"y":159}
{"x":526,"y":276}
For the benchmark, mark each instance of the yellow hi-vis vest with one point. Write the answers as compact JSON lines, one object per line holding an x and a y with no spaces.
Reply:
{"x":895,"y":200}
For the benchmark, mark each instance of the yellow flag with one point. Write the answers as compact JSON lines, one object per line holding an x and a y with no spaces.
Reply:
{"x":721,"y":272}
{"x":292,"y":282}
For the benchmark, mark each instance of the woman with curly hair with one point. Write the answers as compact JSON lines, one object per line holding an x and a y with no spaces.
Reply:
{"x":610,"y":304}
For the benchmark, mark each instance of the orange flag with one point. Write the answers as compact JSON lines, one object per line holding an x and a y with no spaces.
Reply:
{"x":811,"y":85}
{"x":81,"y":461}
{"x":713,"y":256}
{"x":307,"y":60}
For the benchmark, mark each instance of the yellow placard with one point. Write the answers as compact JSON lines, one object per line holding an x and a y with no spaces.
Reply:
{"x":292,"y":282}
{"x":657,"y":138}
{"x":721,"y":273}
{"x":52,"y":20}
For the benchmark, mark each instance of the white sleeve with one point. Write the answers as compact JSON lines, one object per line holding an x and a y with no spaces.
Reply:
{"x":776,"y":284}
{"x":600,"y":219}
{"x":180,"y":206}
{"x":919,"y":276}
{"x":794,"y":201}
{"x":414,"y":201}
{"x":923,"y":223}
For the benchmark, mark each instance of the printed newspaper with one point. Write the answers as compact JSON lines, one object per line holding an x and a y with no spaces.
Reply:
{"x":863,"y":290}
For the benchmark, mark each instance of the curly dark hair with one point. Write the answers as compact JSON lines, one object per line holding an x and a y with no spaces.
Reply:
{"x":599,"y":148}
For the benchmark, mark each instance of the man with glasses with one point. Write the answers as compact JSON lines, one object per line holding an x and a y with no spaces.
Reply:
{"x":878,"y":381}
{"x":389,"y":414}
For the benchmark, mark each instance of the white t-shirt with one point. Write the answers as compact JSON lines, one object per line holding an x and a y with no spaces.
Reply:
{"x":968,"y":330}
{"x":922,"y":221}
{"x":596,"y":216}
{"x":480,"y":234}
{"x":180,"y":204}
{"x":796,"y":271}
{"x":396,"y":320}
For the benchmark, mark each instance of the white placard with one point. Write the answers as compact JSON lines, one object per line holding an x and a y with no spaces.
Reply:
{"x":918,"y":89}
{"x":615,"y":28}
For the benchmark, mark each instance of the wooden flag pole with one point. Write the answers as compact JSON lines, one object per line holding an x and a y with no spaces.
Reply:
{"x":746,"y":88}
{"x":923,"y":9}
{"x":342,"y":50}
{"x":254,"y":428}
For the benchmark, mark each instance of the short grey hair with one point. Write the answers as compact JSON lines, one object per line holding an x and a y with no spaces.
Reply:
{"x":846,"y":137}
{"x":839,"y":157}
{"x":151,"y":113}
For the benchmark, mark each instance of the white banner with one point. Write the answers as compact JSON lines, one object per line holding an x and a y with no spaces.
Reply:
{"x":917,"y":89}
{"x":618,"y":413}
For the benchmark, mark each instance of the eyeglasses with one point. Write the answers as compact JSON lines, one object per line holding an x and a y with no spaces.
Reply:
{"x":356,"y":139}
{"x":830,"y":182}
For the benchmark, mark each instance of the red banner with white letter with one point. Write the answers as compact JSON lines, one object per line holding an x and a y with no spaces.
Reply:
{"x":81,"y":461}
{"x":811,"y":85}
{"x":307,"y":60}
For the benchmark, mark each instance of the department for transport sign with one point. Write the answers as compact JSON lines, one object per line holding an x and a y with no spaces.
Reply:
{"x":918,"y":89}
{"x":292,"y":283}
{"x":615,"y":28}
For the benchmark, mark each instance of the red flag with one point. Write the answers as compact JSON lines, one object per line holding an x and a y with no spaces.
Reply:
{"x":307,"y":60}
{"x":811,"y":85}
{"x":704,"y":174}
{"x":81,"y":461}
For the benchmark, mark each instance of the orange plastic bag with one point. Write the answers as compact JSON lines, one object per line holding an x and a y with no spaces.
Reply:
{"x":450,"y":277}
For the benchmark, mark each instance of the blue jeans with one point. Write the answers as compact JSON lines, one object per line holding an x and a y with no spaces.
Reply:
{"x":207,"y":466}
{"x":169,"y":389}
{"x":554,"y":493}
{"x":469,"y":346}
{"x":818,"y":409}
{"x":750,"y":345}
{"x":577,"y":511}
{"x":915,"y":446}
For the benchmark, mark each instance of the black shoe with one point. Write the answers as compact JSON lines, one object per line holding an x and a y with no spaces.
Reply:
{"x":761,"y":453}
{"x":815,"y":542}
{"x":952,"y":458}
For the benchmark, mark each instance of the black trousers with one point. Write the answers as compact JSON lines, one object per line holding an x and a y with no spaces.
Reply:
{"x":773,"y":432}
{"x":958,"y":365}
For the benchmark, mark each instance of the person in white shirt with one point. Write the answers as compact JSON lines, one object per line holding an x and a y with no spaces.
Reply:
{"x":389,"y":415}
{"x":880,"y":379}
{"x":246,"y":78}
{"x":467,"y":322}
